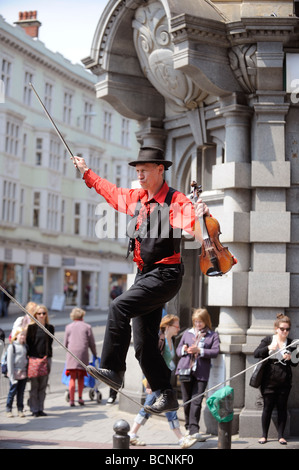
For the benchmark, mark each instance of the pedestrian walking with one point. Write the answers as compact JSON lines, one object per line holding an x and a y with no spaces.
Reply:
{"x":78,"y":339}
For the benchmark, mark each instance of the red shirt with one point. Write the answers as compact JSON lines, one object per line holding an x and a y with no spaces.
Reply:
{"x":181,"y":211}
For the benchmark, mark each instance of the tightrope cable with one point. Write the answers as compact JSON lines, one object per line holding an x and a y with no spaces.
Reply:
{"x":119,"y":390}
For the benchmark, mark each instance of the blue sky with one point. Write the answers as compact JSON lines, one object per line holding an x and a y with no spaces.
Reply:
{"x":68,"y":26}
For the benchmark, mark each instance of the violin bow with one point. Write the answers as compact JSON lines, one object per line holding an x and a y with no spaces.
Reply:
{"x":54,"y":125}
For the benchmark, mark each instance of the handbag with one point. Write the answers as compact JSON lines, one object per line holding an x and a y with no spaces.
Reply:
{"x":257,"y":375}
{"x":185,"y":375}
{"x":37,"y":367}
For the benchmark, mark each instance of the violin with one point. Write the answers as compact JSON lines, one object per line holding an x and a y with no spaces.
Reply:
{"x":214,"y":259}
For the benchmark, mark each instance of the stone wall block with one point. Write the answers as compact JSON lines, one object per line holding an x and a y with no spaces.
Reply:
{"x":270,"y":174}
{"x":266,"y":289}
{"x":231,"y":175}
{"x":229,"y":289}
{"x":270,"y":227}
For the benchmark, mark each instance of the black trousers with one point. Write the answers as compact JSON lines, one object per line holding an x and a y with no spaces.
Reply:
{"x":193,"y":409}
{"x":280,"y":400}
{"x":143,"y":303}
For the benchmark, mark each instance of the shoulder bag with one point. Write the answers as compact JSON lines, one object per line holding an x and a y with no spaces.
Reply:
{"x":257,"y":375}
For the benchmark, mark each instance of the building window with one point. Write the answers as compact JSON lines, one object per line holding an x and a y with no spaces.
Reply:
{"x":39,"y":152}
{"x":62,"y":216}
{"x":52,"y":212}
{"x":107,"y":126}
{"x":78,"y":174}
{"x":91,"y":220}
{"x":36,"y":284}
{"x":36,"y":209}
{"x":24,"y":148}
{"x":54,"y":158}
{"x":6,"y":75}
{"x":64,"y":162}
{"x":67,"y":107}
{"x":77,"y":218}
{"x":95,"y":163}
{"x":27,"y":88}
{"x":118,"y":176}
{"x":12,"y":138}
{"x":87,"y":117}
{"x":48,"y":96}
{"x":22,"y":204}
{"x":9,"y":202}
{"x":125,"y":132}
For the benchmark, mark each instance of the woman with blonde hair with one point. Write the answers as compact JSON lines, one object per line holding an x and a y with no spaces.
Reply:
{"x":39,"y":346}
{"x":79,"y":339}
{"x":23,"y":322}
{"x":197,"y":347}
{"x":277,"y":376}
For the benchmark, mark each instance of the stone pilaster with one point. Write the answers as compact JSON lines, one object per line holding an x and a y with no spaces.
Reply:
{"x":230,"y":291}
{"x":268,"y":281}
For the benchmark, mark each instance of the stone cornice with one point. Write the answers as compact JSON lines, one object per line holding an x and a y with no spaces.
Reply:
{"x":44,"y":60}
{"x":253,"y":30}
{"x":185,"y":27}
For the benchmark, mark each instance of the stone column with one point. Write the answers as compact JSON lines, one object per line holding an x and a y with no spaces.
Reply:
{"x":230,"y":291}
{"x":268,"y":282}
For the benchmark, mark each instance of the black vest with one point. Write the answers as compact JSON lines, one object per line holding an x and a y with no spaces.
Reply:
{"x":156,"y":236}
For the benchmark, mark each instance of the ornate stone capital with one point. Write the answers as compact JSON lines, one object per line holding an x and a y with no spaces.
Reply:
{"x":155,"y":50}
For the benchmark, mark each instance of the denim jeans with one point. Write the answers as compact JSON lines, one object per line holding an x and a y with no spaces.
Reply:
{"x":18,"y":389}
{"x":143,"y":416}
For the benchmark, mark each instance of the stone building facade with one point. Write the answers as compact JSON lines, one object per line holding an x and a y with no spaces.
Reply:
{"x":206,"y":80}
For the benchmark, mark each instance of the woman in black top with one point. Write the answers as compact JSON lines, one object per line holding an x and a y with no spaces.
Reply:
{"x":39,"y":345}
{"x":277,"y":375}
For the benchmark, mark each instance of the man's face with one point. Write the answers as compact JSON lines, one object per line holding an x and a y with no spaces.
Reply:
{"x":149,"y":174}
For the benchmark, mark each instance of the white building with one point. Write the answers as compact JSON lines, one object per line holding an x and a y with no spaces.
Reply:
{"x":48,"y":244}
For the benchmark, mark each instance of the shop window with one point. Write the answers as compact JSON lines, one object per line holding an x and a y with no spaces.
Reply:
{"x":11,"y":279}
{"x":86,"y":288}
{"x":117,"y":285}
{"x":71,"y":287}
{"x":9,"y":202}
{"x":36,"y":284}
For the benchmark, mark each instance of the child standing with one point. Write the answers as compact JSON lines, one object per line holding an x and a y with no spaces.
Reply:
{"x":17,"y":372}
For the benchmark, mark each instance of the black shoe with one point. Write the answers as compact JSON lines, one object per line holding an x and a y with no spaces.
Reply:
{"x":109,"y":377}
{"x":165,"y":402}
{"x":42,"y":413}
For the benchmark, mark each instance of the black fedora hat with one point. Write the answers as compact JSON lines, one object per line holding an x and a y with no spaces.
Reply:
{"x":151,"y":155}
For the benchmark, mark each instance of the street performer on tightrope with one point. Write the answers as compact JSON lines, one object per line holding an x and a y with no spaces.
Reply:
{"x":155,"y":242}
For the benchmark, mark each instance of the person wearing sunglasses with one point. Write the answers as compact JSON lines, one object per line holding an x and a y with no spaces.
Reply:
{"x":277,"y":376}
{"x":39,"y":345}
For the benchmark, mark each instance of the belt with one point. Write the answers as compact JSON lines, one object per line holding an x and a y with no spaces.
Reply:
{"x":151,"y":267}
